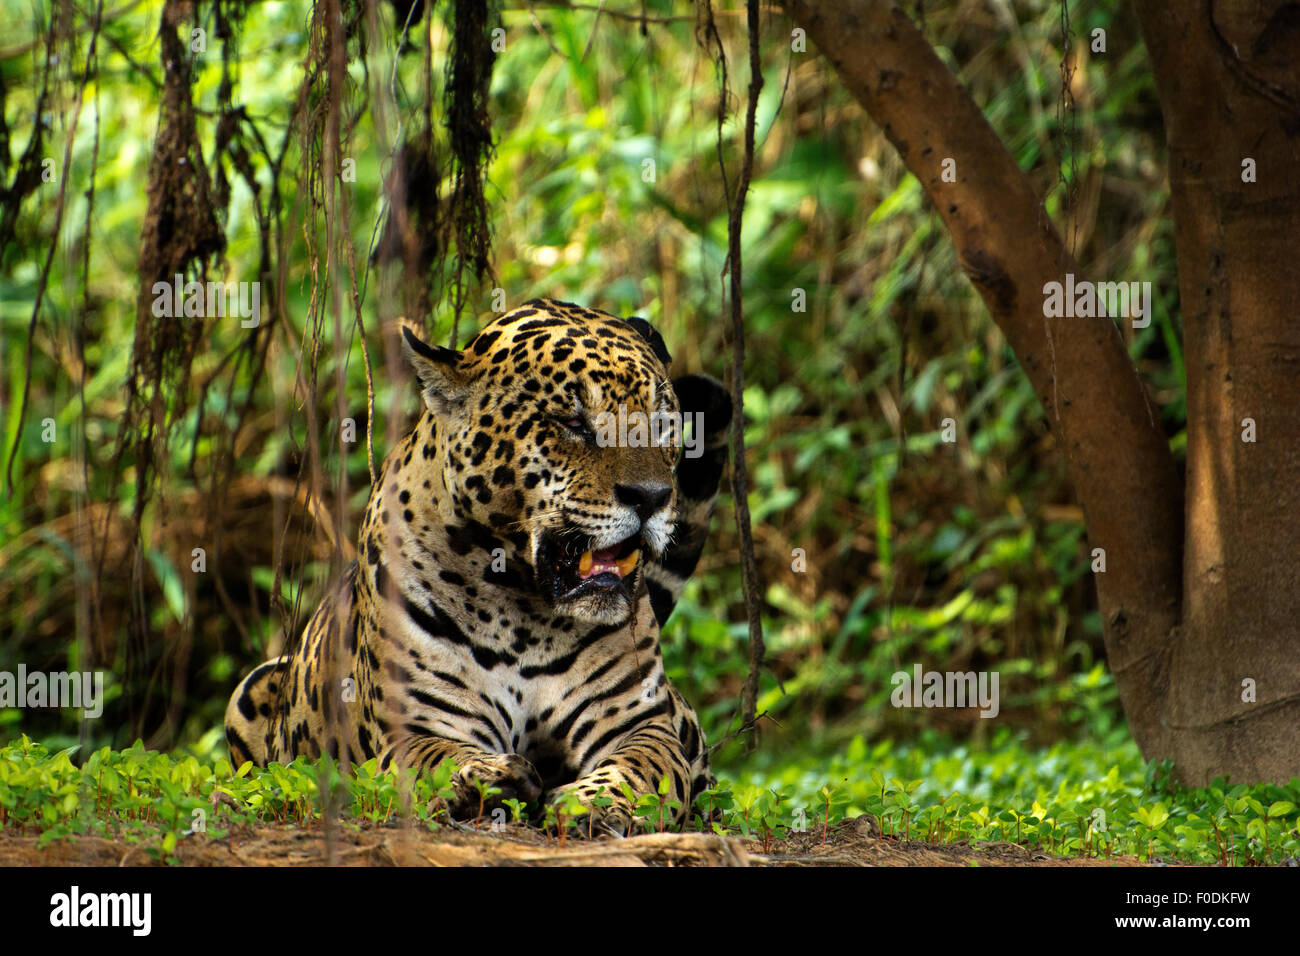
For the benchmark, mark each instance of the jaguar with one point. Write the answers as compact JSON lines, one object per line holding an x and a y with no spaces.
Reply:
{"x":516,"y":560}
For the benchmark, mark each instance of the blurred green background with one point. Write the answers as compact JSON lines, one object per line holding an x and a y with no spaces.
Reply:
{"x":967,"y":555}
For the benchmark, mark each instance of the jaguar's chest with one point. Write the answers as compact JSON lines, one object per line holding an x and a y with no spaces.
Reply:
{"x":507,"y":676}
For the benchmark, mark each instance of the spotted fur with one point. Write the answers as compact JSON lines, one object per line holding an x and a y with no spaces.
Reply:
{"x":458,"y":633}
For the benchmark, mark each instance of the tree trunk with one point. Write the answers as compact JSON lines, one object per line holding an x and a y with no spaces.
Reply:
{"x":1228,"y":77}
{"x":1179,"y":683}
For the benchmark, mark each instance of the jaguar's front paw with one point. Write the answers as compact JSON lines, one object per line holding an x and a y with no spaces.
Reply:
{"x":512,"y":775}
{"x":613,"y":821}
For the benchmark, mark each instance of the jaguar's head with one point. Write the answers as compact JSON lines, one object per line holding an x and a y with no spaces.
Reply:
{"x":557,"y":427}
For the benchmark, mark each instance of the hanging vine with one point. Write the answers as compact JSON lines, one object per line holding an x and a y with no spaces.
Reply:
{"x":207,"y":145}
{"x":733,"y":270}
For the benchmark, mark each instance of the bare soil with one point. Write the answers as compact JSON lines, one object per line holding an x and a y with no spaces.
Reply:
{"x":851,"y":843}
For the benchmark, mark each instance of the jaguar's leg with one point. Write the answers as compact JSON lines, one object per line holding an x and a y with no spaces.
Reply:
{"x":251,"y":708}
{"x":646,"y":757}
{"x":513,"y":776}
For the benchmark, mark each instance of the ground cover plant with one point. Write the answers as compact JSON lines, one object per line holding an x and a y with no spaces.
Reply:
{"x":1072,"y":801}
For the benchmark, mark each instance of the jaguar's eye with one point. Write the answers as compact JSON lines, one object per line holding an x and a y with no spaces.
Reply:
{"x":577,"y":426}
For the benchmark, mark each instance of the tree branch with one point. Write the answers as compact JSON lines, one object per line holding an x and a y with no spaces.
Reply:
{"x":1118,"y":458}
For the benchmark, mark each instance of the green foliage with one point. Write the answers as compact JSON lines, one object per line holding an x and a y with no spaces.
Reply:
{"x":559,"y":815}
{"x":1070,"y":800}
{"x":145,"y":797}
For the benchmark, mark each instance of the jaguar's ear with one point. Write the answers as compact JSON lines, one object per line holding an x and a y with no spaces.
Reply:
{"x":442,"y":383}
{"x":647,"y":332}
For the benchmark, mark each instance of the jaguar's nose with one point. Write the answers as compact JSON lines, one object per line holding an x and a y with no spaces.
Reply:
{"x":645,"y":500}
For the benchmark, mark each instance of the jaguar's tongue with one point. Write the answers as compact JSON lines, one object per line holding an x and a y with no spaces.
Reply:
{"x":607,"y":560}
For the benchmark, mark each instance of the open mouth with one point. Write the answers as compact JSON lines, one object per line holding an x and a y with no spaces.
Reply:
{"x":576,"y":569}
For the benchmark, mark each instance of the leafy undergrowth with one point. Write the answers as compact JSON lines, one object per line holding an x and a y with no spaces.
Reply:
{"x":1072,"y":801}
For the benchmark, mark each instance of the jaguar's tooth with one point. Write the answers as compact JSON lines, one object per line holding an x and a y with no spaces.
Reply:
{"x":628,"y":564}
{"x":584,"y":563}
